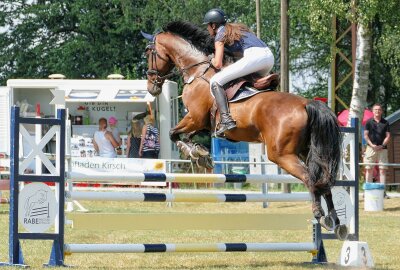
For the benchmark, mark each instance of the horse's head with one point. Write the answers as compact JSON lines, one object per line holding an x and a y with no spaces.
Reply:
{"x":159,"y":66}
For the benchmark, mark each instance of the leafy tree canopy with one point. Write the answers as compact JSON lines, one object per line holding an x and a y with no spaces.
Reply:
{"x":91,"y":39}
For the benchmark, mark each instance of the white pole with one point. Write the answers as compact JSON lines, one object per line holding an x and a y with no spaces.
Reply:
{"x":217,"y":247}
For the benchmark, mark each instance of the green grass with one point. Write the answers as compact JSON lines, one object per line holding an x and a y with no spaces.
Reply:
{"x":379,"y":229}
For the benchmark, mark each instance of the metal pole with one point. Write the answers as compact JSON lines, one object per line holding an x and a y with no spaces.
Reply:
{"x":258,"y":18}
{"x":285,"y":57}
{"x":284,"y":46}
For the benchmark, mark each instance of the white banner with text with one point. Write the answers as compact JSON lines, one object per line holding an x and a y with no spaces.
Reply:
{"x":115,"y":167}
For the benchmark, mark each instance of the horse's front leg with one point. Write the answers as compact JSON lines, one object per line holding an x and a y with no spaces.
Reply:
{"x":197,"y":153}
{"x":185,"y":126}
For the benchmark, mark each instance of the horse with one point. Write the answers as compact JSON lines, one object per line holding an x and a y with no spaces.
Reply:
{"x":301,"y":136}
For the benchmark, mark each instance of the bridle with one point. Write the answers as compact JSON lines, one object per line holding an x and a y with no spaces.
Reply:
{"x":159,"y":77}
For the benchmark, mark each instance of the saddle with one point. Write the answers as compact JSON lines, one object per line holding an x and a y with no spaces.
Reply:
{"x":246,"y":87}
{"x":267,"y":83}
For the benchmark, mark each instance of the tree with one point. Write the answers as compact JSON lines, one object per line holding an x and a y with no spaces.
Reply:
{"x":81,"y":38}
{"x":368,"y":15}
{"x":91,"y":39}
{"x":365,"y":14}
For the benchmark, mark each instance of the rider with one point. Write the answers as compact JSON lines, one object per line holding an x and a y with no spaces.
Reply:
{"x":255,"y":57}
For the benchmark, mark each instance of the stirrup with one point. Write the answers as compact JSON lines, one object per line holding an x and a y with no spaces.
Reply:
{"x":224,"y":127}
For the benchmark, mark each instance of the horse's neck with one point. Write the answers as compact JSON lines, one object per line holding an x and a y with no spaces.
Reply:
{"x":184,"y":55}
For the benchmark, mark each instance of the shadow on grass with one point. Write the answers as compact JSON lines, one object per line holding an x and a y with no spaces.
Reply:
{"x":392,"y":209}
{"x":285,"y":206}
{"x":256,"y":265}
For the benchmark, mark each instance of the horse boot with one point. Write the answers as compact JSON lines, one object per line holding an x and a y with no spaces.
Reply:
{"x":226,"y":122}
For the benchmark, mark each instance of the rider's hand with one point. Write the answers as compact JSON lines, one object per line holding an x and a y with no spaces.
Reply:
{"x":212,"y":61}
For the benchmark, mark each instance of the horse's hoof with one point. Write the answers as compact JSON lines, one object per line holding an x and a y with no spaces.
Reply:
{"x":341,"y":232}
{"x":184,"y":148}
{"x":205,"y":162}
{"x":327,"y":222}
{"x":201,"y":150}
{"x":194,"y":154}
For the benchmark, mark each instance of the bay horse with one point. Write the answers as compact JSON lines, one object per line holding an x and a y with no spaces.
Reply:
{"x":301,"y":136}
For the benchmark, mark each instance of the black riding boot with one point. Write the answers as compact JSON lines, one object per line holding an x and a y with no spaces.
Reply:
{"x":226,"y":123}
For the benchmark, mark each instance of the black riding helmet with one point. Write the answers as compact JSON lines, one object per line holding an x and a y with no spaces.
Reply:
{"x":215,"y":15}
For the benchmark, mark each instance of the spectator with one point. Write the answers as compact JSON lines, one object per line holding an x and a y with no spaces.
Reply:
{"x":377,"y":136}
{"x":134,"y":139}
{"x":114,"y":129}
{"x":104,"y":142}
{"x":150,"y":142}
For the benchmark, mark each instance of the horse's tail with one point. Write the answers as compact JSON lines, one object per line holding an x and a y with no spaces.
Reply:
{"x":325,"y":143}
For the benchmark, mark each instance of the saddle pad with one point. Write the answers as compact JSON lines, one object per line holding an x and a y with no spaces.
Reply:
{"x":246,"y":92}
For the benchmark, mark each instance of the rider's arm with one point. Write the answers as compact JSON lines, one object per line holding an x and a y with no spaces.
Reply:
{"x":219,"y":55}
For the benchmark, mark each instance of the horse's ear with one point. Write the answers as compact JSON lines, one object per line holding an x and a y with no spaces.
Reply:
{"x":147,"y":36}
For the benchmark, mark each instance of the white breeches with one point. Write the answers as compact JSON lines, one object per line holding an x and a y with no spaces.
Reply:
{"x":260,"y":60}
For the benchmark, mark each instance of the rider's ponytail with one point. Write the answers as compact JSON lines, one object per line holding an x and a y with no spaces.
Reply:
{"x":234,"y":32}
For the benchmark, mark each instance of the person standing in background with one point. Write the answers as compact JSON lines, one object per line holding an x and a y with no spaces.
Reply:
{"x":112,"y":121}
{"x":377,"y":136}
{"x":150,"y":142}
{"x":134,"y":139}
{"x":103,"y":141}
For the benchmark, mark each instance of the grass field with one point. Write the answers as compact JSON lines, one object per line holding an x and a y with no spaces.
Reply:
{"x":379,"y":229}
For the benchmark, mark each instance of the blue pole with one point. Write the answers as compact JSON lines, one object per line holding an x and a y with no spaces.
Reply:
{"x":57,"y":251}
{"x":355,"y":124}
{"x":15,"y":250}
{"x":15,"y":253}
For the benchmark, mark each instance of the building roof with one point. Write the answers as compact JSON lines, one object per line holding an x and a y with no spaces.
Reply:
{"x":394,"y":117}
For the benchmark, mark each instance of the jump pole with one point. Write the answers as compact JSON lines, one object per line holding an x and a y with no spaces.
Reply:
{"x":185,"y":197}
{"x":60,"y":249}
{"x":195,"y":247}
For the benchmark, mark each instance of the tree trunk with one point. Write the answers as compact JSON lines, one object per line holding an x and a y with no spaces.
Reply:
{"x":362,"y":71}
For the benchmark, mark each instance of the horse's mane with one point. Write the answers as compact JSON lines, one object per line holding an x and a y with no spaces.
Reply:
{"x":195,"y":35}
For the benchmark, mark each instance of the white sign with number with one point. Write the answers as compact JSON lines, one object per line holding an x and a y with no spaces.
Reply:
{"x":37,"y":207}
{"x":355,"y":253}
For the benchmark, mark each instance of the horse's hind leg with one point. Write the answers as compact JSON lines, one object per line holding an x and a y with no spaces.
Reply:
{"x":326,"y":221}
{"x":292,"y":164}
{"x":331,"y":219}
{"x":341,"y":230}
{"x":317,"y":209}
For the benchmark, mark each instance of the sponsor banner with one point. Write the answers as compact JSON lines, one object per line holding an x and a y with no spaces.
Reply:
{"x":118,"y":166}
{"x":37,"y":207}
